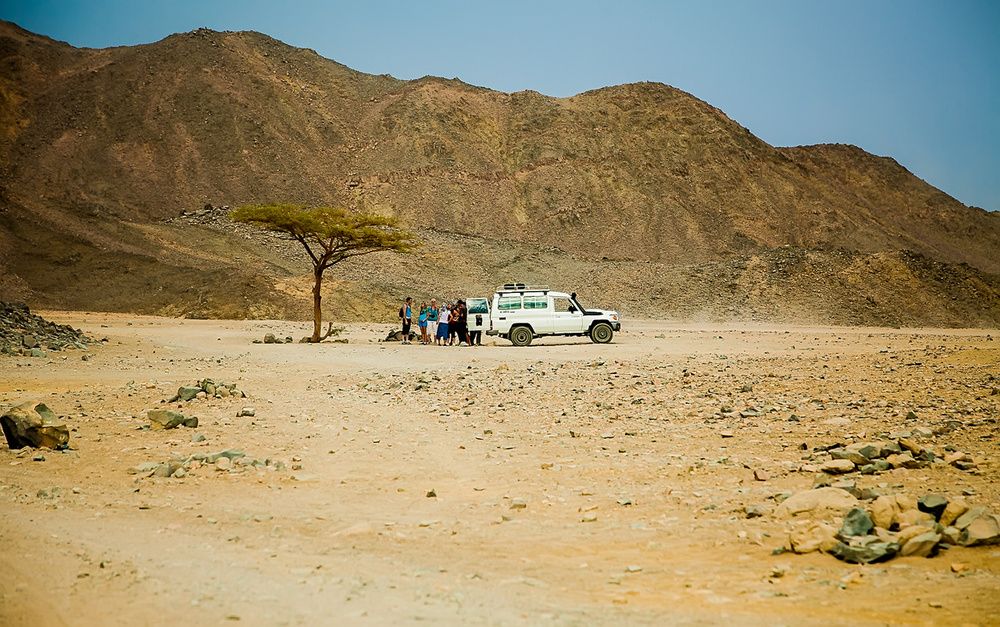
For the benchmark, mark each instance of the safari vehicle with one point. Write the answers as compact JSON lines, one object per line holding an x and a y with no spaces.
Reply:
{"x":522,"y":312}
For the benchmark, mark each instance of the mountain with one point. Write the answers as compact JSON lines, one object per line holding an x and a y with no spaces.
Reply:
{"x":106,"y":154}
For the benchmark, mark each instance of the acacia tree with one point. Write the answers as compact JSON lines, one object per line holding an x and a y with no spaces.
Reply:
{"x":330,"y":235}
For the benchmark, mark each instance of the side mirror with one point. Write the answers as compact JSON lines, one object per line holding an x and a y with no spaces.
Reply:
{"x":572,"y":309}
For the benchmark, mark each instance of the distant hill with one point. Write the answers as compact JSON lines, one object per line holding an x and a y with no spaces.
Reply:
{"x":103,"y":150}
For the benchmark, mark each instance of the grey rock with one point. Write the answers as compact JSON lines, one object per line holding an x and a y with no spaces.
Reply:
{"x":270,"y":339}
{"x":874,"y":552}
{"x":869,"y":451}
{"x":29,"y":341}
{"x":890,"y":448}
{"x":197,"y":437}
{"x":881,"y":465}
{"x":856,"y":523}
{"x":191,"y":422}
{"x":145,"y":468}
{"x":247,"y":411}
{"x":231,"y":454}
{"x":933,"y":504}
{"x":187,"y":393}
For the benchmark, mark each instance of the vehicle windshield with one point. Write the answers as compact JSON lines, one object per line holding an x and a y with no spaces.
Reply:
{"x":478,"y":306}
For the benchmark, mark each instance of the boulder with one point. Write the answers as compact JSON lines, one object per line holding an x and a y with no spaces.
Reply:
{"x":970,"y":515}
{"x":913,"y":517}
{"x":837,"y":466}
{"x":160,"y":419}
{"x":269,"y":338}
{"x":933,"y":504}
{"x":983,"y":530}
{"x":856,"y":523}
{"x":187,"y":393}
{"x":923,"y":545}
{"x":809,"y":536}
{"x":866,"y":554}
{"x":33,"y":424}
{"x":820,"y":503}
{"x":883,"y":511}
{"x":956,"y":507}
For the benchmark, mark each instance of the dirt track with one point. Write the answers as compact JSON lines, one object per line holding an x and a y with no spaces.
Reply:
{"x":627,"y":436}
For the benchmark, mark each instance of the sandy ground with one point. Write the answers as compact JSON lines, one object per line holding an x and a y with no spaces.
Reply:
{"x":570,"y":483}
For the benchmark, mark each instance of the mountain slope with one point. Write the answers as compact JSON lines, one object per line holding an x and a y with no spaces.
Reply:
{"x":98,"y":145}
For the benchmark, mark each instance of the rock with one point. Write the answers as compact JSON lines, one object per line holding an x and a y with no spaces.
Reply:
{"x":224,"y":392}
{"x":33,"y":424}
{"x":247,"y":411}
{"x":160,"y":419}
{"x":913,"y":517}
{"x":881,"y":465}
{"x":809,"y":536}
{"x":430,"y":493}
{"x":954,"y":536}
{"x":145,"y":468}
{"x":970,"y":515}
{"x":756,"y":511}
{"x":902,"y":460}
{"x":869,"y":451}
{"x":983,"y":530}
{"x":270,"y":339}
{"x":231,"y":454}
{"x":760,"y":475}
{"x":890,"y":448}
{"x":856,"y":523}
{"x":837,"y":466}
{"x":905,"y":502}
{"x":933,"y":504}
{"x":223,"y":463}
{"x":197,"y":437}
{"x":191,"y":422}
{"x":518,"y":504}
{"x":873,"y":552}
{"x":883,"y":511}
{"x":903,"y":535}
{"x":854,"y":457}
{"x":187,"y":393}
{"x":956,"y":507}
{"x":29,"y":341}
{"x":923,"y":545}
{"x":910,"y":445}
{"x":817,"y":504}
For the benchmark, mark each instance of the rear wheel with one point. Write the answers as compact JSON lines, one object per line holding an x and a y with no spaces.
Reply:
{"x":601,"y":333}
{"x":520,"y":336}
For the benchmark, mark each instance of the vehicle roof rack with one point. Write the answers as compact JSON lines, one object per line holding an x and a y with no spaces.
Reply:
{"x":521,"y":287}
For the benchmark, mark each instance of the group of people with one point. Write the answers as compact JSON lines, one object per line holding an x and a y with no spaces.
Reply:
{"x":444,"y":325}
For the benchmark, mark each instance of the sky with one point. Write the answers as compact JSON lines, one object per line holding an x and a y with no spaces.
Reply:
{"x":915,"y":80}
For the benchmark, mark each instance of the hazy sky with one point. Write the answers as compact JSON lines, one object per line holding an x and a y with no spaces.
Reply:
{"x":915,"y":80}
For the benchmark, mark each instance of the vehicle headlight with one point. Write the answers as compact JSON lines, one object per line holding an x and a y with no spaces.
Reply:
{"x":614,"y":317}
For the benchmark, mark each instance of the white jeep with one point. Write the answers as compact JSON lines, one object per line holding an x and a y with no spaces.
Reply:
{"x":521,"y":313}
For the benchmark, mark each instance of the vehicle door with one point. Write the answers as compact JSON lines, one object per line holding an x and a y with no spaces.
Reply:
{"x":479,"y":313}
{"x":507,"y":312}
{"x":538,"y":313}
{"x":566,"y":316}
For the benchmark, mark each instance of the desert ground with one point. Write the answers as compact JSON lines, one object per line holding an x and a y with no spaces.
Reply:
{"x":564,"y":483}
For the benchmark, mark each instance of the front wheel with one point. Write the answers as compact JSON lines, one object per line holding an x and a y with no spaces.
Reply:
{"x":601,"y":333}
{"x":520,"y":336}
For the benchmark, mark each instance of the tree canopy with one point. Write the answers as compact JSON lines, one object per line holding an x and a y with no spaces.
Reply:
{"x":329,"y":235}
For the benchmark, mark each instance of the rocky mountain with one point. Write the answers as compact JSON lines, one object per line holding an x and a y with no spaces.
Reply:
{"x":106,"y":154}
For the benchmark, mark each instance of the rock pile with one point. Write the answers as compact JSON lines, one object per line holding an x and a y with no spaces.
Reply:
{"x":232,"y":461}
{"x":207,"y":388}
{"x":889,"y":525}
{"x":23,"y":333}
{"x":905,"y":451}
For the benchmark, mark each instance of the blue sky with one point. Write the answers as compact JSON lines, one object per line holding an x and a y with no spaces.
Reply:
{"x":915,"y":80}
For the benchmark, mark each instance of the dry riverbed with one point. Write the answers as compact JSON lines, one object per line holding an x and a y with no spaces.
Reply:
{"x":564,"y":483}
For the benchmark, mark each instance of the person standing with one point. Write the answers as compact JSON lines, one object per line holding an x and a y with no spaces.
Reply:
{"x":422,"y":323}
{"x":407,"y":312}
{"x":463,"y":324}
{"x":442,"y":332}
{"x":432,"y":317}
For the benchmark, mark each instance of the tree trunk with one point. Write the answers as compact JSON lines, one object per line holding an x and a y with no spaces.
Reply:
{"x":317,"y":313}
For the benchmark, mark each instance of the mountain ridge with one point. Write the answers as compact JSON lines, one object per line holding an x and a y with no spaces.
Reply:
{"x":101,"y":144}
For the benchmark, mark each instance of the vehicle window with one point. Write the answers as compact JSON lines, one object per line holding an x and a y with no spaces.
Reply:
{"x":534,"y":301}
{"x":509,"y":303}
{"x":563,"y":304}
{"x":478,"y":307}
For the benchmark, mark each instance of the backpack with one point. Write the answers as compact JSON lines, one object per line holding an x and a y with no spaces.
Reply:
{"x":401,"y":312}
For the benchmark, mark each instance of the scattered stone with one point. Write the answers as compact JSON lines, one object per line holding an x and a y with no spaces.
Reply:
{"x":865,"y":554}
{"x":856,"y":523}
{"x":33,"y":424}
{"x":837,"y":466}
{"x":809,"y":536}
{"x":269,"y":338}
{"x":247,"y":411}
{"x":817,"y":503}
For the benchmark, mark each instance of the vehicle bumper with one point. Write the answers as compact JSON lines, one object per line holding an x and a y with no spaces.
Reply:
{"x":617,"y":326}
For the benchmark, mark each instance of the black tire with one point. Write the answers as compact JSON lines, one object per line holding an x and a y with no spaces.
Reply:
{"x":601,"y":333}
{"x":520,"y":336}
